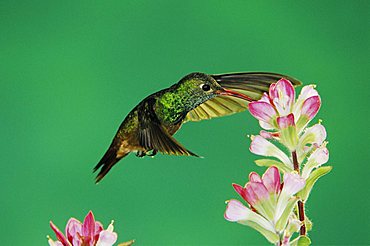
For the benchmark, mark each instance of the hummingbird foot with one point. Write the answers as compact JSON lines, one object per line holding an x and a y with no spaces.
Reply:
{"x":154,"y":152}
{"x":140,"y":153}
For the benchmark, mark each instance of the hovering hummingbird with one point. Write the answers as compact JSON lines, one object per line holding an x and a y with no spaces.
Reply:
{"x":149,"y":127}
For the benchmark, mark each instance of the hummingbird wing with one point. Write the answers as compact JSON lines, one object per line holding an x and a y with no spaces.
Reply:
{"x":152,"y":135}
{"x":252,"y":84}
{"x":216,"y":107}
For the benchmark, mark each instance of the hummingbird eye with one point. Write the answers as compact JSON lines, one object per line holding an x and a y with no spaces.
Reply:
{"x":205,"y":87}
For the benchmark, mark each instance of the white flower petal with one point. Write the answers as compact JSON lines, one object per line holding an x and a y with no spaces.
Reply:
{"x":54,"y":243}
{"x":313,"y":136}
{"x":266,"y":126}
{"x":107,"y":238}
{"x":260,"y":146}
{"x":237,"y":212}
{"x":317,"y":158}
{"x":282,"y":95}
{"x":292,"y":183}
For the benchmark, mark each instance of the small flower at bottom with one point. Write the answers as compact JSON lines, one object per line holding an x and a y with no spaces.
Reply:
{"x":88,"y":233}
{"x":270,"y":202}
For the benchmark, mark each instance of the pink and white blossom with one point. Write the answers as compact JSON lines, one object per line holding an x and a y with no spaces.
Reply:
{"x":282,"y":96}
{"x":265,"y":113}
{"x":309,"y":109}
{"x":88,"y":233}
{"x":314,"y":135}
{"x":284,"y":120}
{"x":236,"y":211}
{"x":292,"y":184}
{"x":288,"y":118}
{"x":267,"y":198}
{"x":281,"y":102}
{"x":306,"y":92}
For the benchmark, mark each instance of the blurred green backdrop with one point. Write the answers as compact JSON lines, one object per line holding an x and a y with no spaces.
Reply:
{"x":72,"y":70}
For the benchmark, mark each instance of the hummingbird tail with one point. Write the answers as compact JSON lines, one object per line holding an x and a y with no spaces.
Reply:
{"x":110,"y":158}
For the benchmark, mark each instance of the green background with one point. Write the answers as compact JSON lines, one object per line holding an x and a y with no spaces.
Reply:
{"x":71,"y":70}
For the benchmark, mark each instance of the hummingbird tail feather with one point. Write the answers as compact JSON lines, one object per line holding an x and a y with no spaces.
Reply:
{"x":109,"y":159}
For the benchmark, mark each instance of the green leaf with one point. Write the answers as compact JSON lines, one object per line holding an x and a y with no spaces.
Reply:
{"x":269,"y":235}
{"x":281,"y":223}
{"x":304,"y":241}
{"x":311,"y":180}
{"x":269,"y":162}
{"x":294,"y":242}
{"x":301,"y":241}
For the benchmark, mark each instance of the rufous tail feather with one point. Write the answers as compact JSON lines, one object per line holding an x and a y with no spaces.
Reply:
{"x":109,"y":159}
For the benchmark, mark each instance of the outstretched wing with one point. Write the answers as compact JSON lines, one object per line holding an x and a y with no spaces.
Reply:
{"x":153,"y":136}
{"x":216,"y":107}
{"x":252,"y":84}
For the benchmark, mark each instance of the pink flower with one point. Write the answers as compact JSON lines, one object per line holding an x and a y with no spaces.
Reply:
{"x":306,"y":92}
{"x":309,"y":109}
{"x":270,"y":202}
{"x":264,"y":112}
{"x":280,"y":102}
{"x":282,"y":96}
{"x":285,"y":121}
{"x":88,"y":233}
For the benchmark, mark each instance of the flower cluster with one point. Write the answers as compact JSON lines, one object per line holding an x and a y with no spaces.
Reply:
{"x":287,"y":121}
{"x":271,"y":202}
{"x":299,"y":152}
{"x":279,"y":109}
{"x":88,"y":233}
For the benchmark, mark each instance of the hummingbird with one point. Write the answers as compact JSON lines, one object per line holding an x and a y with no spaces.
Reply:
{"x":150,"y":126}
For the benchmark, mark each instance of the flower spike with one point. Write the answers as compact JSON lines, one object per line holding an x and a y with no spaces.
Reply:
{"x":276,"y":207}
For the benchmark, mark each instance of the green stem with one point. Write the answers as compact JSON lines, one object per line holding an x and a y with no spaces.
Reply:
{"x":300,"y":203}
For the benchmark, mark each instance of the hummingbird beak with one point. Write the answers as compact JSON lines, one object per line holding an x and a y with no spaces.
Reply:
{"x":226,"y":92}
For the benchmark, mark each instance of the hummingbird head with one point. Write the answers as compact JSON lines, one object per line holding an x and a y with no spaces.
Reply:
{"x":196,"y":88}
